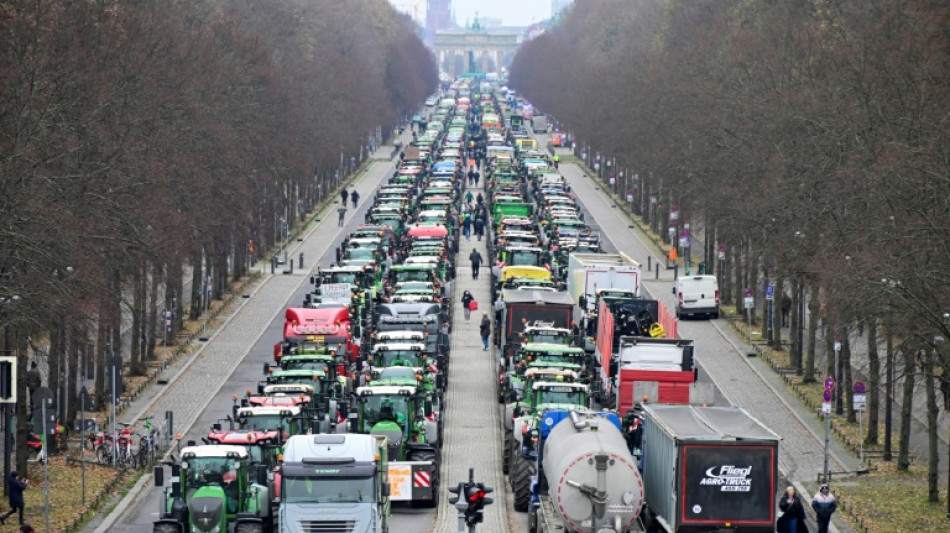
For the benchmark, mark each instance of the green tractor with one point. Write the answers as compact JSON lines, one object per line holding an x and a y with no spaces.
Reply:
{"x":537,"y":355}
{"x":214,"y":489}
{"x":404,"y":415}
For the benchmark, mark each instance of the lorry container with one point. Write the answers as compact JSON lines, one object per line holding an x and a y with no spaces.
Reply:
{"x":592,"y":272}
{"x":524,"y":308}
{"x":708,"y":469}
{"x":669,"y":363}
{"x":334,"y":483}
{"x":539,"y":123}
{"x":587,"y":478}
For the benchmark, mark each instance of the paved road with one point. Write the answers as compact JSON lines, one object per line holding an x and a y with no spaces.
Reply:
{"x":232,"y":360}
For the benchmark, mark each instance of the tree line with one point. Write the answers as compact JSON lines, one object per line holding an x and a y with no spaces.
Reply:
{"x":809,"y":140}
{"x":141,"y":139}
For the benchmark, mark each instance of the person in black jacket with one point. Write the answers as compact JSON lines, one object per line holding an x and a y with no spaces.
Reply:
{"x":793,"y":517}
{"x":15,"y":488}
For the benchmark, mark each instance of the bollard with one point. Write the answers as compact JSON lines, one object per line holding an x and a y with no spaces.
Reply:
{"x":676,"y":272}
{"x":273,"y":265}
{"x":657,"y":270}
{"x":649,"y":263}
{"x":291,"y":266}
{"x":301,"y":260}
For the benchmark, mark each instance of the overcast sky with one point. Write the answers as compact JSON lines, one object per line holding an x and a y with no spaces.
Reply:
{"x":512,"y":12}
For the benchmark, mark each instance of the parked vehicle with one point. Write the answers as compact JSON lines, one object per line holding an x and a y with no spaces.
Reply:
{"x":697,"y":295}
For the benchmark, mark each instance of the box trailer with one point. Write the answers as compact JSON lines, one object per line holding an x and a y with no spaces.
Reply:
{"x":721,"y":464}
{"x":590,"y":273}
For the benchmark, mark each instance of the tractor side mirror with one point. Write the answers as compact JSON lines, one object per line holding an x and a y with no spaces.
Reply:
{"x":159,"y":475}
{"x":427,"y":407}
{"x":215,"y":427}
{"x":313,"y":280}
{"x":385,"y":489}
{"x":266,"y":369}
{"x":674,"y":290}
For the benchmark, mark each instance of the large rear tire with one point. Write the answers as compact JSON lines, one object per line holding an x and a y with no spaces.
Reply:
{"x":522,"y":468}
{"x":166,"y":528}
{"x":249,"y":527}
{"x":505,"y":459}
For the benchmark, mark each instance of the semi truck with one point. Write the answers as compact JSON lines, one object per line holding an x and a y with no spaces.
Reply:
{"x":587,"y":480}
{"x":590,"y":273}
{"x":334,"y":483}
{"x":539,"y":123}
{"x":708,"y":469}
{"x":663,"y":370}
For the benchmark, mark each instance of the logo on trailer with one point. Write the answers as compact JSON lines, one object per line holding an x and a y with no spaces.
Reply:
{"x":729,"y":479}
{"x":421,"y":479}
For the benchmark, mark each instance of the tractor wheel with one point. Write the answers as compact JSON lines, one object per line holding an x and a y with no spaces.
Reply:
{"x":522,"y":468}
{"x":166,"y":528}
{"x":249,"y":527}
{"x":532,"y":520}
{"x":505,"y":460}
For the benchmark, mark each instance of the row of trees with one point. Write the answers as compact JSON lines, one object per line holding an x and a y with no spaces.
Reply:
{"x":808,"y":139}
{"x":138,"y":139}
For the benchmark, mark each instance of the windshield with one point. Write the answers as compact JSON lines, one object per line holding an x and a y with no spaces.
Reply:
{"x":563,"y":395}
{"x":383,"y":408}
{"x":525,"y":258}
{"x":338,"y":277}
{"x":388,"y":357}
{"x":550,"y":339}
{"x":412,"y":275}
{"x":327,"y":490}
{"x":205,"y":471}
{"x":361,"y":253}
{"x":306,"y":364}
{"x":266,"y":423}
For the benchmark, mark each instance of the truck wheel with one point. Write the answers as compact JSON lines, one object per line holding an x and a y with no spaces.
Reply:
{"x":166,"y":528}
{"x":522,"y":469}
{"x":249,"y":527}
{"x":533,"y":520}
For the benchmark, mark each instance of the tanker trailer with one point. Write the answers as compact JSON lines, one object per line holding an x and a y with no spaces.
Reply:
{"x":587,"y":479}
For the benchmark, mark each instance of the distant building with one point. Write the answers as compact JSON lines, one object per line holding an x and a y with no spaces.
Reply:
{"x":490,"y":22}
{"x":438,"y":17}
{"x":559,"y":5}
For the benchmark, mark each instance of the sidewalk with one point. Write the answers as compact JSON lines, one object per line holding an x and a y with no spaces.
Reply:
{"x":194,"y":380}
{"x":472,"y":419}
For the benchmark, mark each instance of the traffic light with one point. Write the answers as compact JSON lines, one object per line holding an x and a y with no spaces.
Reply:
{"x":456,"y":492}
{"x":8,"y":379}
{"x":476,"y":494}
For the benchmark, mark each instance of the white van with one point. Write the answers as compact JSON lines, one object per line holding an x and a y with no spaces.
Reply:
{"x":697,"y":295}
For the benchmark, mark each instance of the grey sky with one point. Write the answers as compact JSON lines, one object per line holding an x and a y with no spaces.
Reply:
{"x":512,"y":12}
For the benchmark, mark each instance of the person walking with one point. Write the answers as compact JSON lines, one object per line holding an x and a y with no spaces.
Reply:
{"x":484,"y":329}
{"x":476,"y":259}
{"x":793,"y":517}
{"x":344,"y":194}
{"x":342,"y":211}
{"x":468,"y":197}
{"x":467,"y":300}
{"x":467,"y":226}
{"x":479,"y":227}
{"x":476,"y":177}
{"x":825,"y":505}
{"x":471,"y":177}
{"x":15,"y":488}
{"x":356,"y":198}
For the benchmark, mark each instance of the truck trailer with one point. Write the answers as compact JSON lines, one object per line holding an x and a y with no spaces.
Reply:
{"x":708,"y":469}
{"x":590,"y":273}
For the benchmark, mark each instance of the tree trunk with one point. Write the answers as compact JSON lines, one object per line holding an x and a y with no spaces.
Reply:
{"x":55,"y":370}
{"x":100,"y":377}
{"x":813,"y":309}
{"x":152,"y":329}
{"x":830,"y":354}
{"x":848,"y":384}
{"x":138,"y":305}
{"x":737,"y":272}
{"x":22,"y":405}
{"x":776,"y":317}
{"x":73,"y":382}
{"x":933,"y":493}
{"x":907,"y":403}
{"x":794,"y":324}
{"x":874,"y":383}
{"x":196,"y":286}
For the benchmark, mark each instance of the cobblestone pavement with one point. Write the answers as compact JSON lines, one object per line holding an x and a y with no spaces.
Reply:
{"x":739,"y":379}
{"x":472,"y":418}
{"x":196,"y":380}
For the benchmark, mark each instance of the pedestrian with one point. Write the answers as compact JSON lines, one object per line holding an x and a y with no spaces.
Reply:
{"x":342,"y":211}
{"x":344,"y":194}
{"x":15,"y":488}
{"x":476,"y":259}
{"x":479,"y":227}
{"x":467,"y":226}
{"x":485,"y":330}
{"x":471,"y":177}
{"x":467,"y":300}
{"x":824,"y":505}
{"x":479,"y":200}
{"x":793,"y":513}
{"x":476,"y":178}
{"x":468,"y":197}
{"x":356,"y":198}
{"x":786,"y":309}
{"x":33,"y":381}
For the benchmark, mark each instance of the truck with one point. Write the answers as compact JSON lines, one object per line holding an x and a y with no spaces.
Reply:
{"x":587,"y":479}
{"x":663,"y":370}
{"x":589,"y":273}
{"x":708,"y":469}
{"x":524,"y":308}
{"x":329,"y":482}
{"x":539,"y":123}
{"x":214,"y":488}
